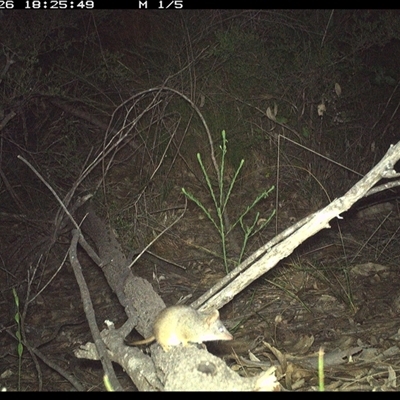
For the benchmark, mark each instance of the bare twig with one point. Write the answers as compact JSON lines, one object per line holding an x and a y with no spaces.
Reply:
{"x":9,"y":62}
{"x":326,"y":28}
{"x":158,"y":236}
{"x":89,"y":312}
{"x":7,"y":119}
{"x":50,"y":188}
{"x":305,"y":229}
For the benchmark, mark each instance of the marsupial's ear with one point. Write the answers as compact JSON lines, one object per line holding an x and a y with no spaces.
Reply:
{"x":211,"y":318}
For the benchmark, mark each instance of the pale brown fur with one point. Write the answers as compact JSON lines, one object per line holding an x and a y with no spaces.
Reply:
{"x":182,"y":325}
